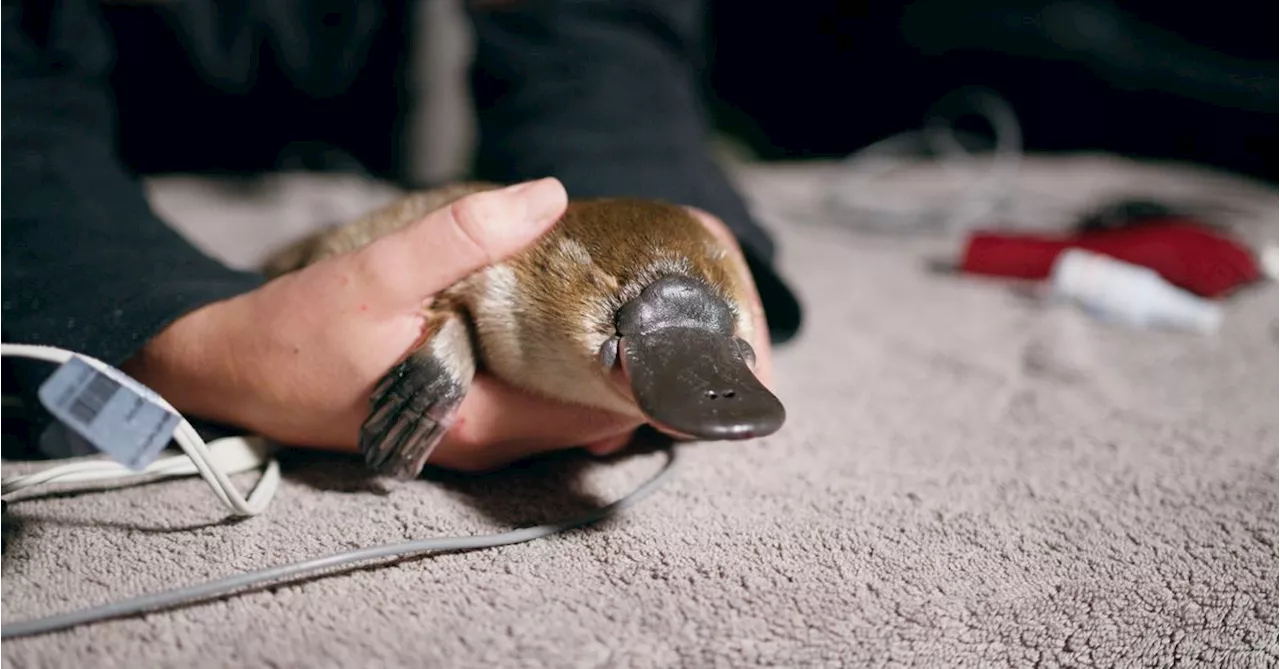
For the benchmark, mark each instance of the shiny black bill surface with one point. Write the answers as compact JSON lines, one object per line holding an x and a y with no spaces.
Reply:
{"x":699,"y":384}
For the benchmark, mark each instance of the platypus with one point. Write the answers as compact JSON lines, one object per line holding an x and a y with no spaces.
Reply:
{"x":629,"y":305}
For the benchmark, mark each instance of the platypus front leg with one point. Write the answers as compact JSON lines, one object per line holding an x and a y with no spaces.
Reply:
{"x":416,"y":402}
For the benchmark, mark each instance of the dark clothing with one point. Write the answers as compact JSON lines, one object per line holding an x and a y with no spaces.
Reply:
{"x":601,"y":94}
{"x":1147,"y":79}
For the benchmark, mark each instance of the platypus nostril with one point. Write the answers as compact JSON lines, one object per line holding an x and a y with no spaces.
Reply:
{"x":727,"y":394}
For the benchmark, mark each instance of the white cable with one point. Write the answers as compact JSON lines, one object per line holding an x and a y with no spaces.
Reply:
{"x":232,"y":455}
{"x":854,"y":195}
{"x":199,"y":459}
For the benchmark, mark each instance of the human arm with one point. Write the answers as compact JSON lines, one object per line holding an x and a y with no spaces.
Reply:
{"x":87,"y":265}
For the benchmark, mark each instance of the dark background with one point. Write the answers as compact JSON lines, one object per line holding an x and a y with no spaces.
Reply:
{"x":807,"y":79}
{"x":822,"y":78}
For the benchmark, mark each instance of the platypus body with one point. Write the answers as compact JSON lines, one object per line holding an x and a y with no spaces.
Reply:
{"x":627,"y":305}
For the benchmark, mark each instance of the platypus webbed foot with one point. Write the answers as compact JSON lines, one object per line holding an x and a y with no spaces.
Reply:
{"x":415,"y":404}
{"x":688,"y":371}
{"x":412,"y":409}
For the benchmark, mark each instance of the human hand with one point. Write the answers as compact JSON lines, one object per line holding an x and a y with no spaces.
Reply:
{"x":297,"y":359}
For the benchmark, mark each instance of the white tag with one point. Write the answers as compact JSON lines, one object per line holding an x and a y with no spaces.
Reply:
{"x":114,"y":413}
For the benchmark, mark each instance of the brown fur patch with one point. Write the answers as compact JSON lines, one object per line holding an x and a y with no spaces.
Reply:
{"x":631,"y":243}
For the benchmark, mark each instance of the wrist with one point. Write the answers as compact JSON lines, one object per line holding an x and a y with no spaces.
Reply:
{"x":190,"y":363}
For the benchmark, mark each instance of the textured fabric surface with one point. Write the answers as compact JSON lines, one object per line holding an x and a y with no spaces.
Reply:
{"x":969,"y":477}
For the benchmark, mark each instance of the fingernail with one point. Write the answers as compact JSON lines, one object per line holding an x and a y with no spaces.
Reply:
{"x":525,"y":185}
{"x":544,"y":199}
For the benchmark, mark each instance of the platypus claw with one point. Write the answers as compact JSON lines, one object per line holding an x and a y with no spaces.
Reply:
{"x":412,"y":408}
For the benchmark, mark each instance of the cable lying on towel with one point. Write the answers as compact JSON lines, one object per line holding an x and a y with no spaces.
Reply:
{"x":233,"y":453}
{"x":257,"y":579}
{"x":214,"y":462}
{"x":858,"y":194}
{"x":231,"y":456}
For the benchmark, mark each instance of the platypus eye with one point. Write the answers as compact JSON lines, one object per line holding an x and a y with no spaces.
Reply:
{"x":748,"y":353}
{"x":609,"y":352}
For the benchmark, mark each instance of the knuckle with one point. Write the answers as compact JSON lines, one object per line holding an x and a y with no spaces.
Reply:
{"x":373,"y":264}
{"x":466,"y":456}
{"x":472,"y":217}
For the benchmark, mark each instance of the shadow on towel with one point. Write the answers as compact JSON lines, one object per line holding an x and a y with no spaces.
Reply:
{"x":547,"y":488}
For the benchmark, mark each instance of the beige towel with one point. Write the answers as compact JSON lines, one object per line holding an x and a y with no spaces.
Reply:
{"x":968,"y":479}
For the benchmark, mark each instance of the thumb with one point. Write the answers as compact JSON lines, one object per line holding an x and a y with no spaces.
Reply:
{"x":454,"y":241}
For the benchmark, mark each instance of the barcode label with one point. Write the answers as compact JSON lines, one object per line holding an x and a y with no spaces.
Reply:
{"x":90,"y":402}
{"x":115,"y":414}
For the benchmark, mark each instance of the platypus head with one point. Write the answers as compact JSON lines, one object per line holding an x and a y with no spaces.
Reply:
{"x":635,"y":307}
{"x":681,"y":360}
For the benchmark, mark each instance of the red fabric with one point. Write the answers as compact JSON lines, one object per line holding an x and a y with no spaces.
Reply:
{"x":1187,"y":255}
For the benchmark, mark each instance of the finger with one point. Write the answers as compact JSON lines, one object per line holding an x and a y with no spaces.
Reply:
{"x":497,"y":412}
{"x":498,"y":424}
{"x":610,"y":446}
{"x":452,"y":242}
